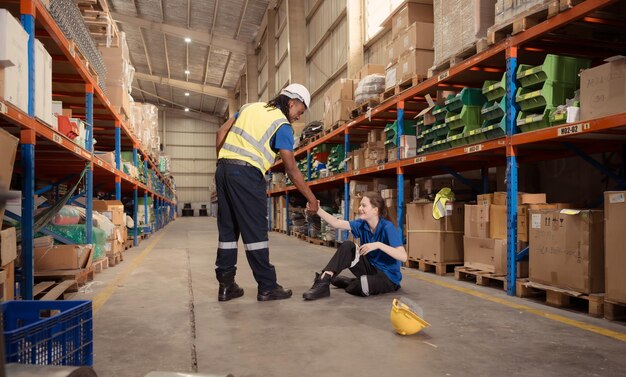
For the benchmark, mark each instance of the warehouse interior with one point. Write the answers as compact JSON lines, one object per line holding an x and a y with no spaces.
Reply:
{"x":492,"y":131}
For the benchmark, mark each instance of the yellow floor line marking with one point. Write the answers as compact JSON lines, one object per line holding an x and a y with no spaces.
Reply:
{"x":102,"y":297}
{"x":555,"y":317}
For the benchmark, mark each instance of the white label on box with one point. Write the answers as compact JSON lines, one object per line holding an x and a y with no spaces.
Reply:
{"x":536,"y":221}
{"x":616,"y":198}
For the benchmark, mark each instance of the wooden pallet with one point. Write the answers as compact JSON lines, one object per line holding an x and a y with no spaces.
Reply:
{"x":101,"y":264}
{"x":614,"y":311}
{"x":363,"y":107}
{"x":471,"y":50}
{"x":316,"y":241}
{"x":439,"y":268}
{"x":115,"y":259}
{"x":299,"y":235}
{"x":523,"y":21}
{"x":483,"y":278}
{"x":78,"y":54}
{"x":567,"y":4}
{"x":80,"y":276}
{"x":128,"y":244}
{"x":332,"y":243}
{"x":404,"y":84}
{"x":52,"y":290}
{"x":593,"y":304}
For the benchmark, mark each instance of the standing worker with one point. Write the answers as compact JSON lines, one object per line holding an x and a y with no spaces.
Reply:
{"x":247,"y":145}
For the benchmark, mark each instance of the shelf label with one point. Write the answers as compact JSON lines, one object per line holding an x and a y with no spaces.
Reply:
{"x":77,"y":151}
{"x":474,"y":148}
{"x":380,"y":167}
{"x":573,"y":129}
{"x":443,"y":76}
{"x":420,"y":160}
{"x":72,"y":51}
{"x":356,"y":172}
{"x":57,"y":139}
{"x":99,"y":162}
{"x":3,"y":108}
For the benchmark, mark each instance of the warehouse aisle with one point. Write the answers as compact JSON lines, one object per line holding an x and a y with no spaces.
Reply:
{"x":158,"y":310}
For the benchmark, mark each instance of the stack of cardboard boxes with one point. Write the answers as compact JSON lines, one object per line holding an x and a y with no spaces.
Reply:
{"x":486,"y":230}
{"x":279,"y":213}
{"x":114,"y":211}
{"x":50,"y":258}
{"x":411,"y":50}
{"x":8,"y":254}
{"x":338,"y":102}
{"x":435,"y":240}
{"x":120,"y":74}
{"x":371,"y":153}
{"x":615,"y":246}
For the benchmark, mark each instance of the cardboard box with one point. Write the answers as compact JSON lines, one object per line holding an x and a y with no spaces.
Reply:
{"x":477,"y":221}
{"x":9,"y":281}
{"x":389,"y":193}
{"x":107,"y":205}
{"x":435,"y":240}
{"x":567,"y":249}
{"x":603,"y":89}
{"x":420,"y":35}
{"x":408,"y":14}
{"x":118,"y":97}
{"x":499,"y":198}
{"x":415,"y":62}
{"x":8,"y":146}
{"x":8,"y":246}
{"x":393,"y":53}
{"x":359,"y":159}
{"x":484,"y":199}
{"x":391,"y":76}
{"x":615,"y":245}
{"x":63,"y":257}
{"x":392,"y":154}
{"x":342,"y":110}
{"x":43,"y":84}
{"x":380,"y":184}
{"x":13,"y":61}
{"x":485,"y":254}
{"x":357,"y":188}
{"x":341,"y":89}
{"x":392,"y":202}
{"x":327,"y":118}
{"x":370,"y":69}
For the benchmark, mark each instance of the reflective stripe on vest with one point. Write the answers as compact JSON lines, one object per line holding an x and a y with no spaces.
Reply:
{"x":249,"y":138}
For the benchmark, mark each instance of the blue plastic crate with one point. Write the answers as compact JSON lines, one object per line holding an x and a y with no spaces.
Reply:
{"x":48,"y":332}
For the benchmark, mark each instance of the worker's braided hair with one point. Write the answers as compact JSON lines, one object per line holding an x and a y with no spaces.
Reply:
{"x":377,"y":201}
{"x":280,"y":102}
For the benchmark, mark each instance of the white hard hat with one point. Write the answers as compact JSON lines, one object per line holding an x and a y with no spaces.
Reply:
{"x":299,"y":92}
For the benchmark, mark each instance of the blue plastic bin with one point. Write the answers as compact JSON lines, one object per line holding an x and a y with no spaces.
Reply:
{"x":48,"y":332}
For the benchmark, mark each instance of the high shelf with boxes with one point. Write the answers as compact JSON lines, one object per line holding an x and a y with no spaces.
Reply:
{"x":57,"y":151}
{"x":491,"y":132}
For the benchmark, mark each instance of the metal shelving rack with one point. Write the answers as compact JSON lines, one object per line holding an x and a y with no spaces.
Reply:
{"x":574,"y":139}
{"x":56,"y":158}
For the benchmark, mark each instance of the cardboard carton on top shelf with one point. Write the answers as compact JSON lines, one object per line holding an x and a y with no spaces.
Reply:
{"x":603,"y":89}
{"x":567,"y":249}
{"x":408,"y":13}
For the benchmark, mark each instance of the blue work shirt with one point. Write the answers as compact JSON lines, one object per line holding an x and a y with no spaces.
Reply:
{"x":386,"y":233}
{"x":282,"y":139}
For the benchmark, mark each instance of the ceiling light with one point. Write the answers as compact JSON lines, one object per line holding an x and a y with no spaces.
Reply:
{"x":186,"y":94}
{"x":186,"y":109}
{"x":187,"y":40}
{"x":187,"y":72}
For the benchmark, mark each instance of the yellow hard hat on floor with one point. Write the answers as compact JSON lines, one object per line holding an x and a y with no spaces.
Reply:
{"x":406,"y":317}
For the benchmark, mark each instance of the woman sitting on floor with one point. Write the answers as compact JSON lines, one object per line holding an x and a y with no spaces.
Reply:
{"x":376,"y":263}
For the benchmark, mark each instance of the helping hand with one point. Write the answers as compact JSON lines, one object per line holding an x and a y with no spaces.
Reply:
{"x":312,"y":209}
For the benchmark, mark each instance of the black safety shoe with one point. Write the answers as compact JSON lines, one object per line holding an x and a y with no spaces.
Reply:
{"x":320,"y":288}
{"x":278,"y":293}
{"x":341,"y":281}
{"x":229,"y":291}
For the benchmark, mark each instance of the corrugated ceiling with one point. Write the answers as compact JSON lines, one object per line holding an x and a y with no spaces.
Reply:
{"x":158,"y":51}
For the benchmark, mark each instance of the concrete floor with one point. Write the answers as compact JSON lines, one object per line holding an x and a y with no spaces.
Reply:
{"x":158,"y":310}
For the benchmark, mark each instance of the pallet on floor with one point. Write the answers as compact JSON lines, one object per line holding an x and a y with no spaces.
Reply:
{"x":332,"y":243}
{"x":523,"y":21}
{"x":299,"y":235}
{"x":317,"y":241}
{"x":439,"y":268}
{"x":100,"y":265}
{"x":80,"y":275}
{"x":614,"y":311}
{"x":128,"y":244}
{"x":469,"y":51}
{"x":480,"y":277}
{"x":52,"y":290}
{"x":115,"y":259}
{"x":593,"y":303}
{"x":404,"y":84}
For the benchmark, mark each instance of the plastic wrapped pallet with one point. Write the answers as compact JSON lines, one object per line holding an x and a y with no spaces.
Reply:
{"x":459,"y":24}
{"x":369,"y":88}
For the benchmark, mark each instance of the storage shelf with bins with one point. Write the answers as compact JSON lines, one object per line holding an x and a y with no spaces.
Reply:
{"x":48,"y":156}
{"x":497,"y":142}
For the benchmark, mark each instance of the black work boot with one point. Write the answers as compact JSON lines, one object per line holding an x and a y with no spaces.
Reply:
{"x":320,"y":288}
{"x":341,"y":281}
{"x":278,"y":293}
{"x":228,"y":288}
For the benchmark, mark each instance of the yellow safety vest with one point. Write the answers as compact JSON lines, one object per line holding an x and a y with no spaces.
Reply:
{"x":249,"y":138}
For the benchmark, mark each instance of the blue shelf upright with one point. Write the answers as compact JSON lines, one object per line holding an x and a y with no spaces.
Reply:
{"x":511,"y":170}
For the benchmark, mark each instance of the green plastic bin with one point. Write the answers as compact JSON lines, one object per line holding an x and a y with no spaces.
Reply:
{"x":466,"y":97}
{"x":550,"y":94}
{"x":563,"y":69}
{"x":495,"y":90}
{"x":468,"y":117}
